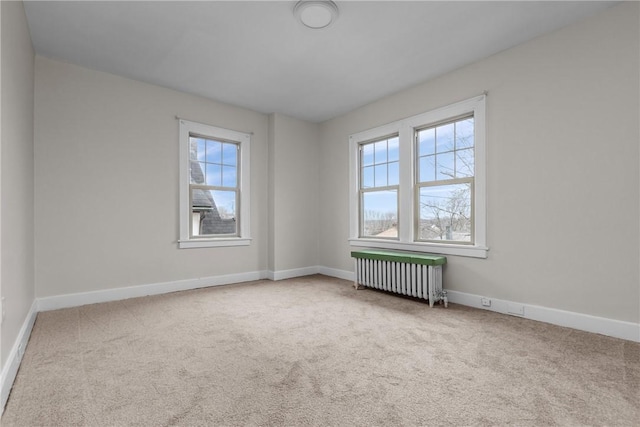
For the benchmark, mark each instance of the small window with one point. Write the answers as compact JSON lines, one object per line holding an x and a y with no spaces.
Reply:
{"x":214,"y":188}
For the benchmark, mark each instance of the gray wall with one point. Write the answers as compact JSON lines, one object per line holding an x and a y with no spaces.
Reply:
{"x":563,"y":168}
{"x":294,"y":185}
{"x":106,"y":183}
{"x":16,"y":191}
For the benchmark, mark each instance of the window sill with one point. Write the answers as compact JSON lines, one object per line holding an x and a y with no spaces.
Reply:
{"x":212,"y":243}
{"x":445,"y":249}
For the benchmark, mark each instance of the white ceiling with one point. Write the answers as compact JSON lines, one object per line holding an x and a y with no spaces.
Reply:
{"x":256,"y":55}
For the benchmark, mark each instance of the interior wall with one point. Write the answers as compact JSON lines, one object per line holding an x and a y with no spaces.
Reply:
{"x":17,"y":166}
{"x":294,"y":185}
{"x":106,"y":183}
{"x":271,"y":173}
{"x":563,"y":167}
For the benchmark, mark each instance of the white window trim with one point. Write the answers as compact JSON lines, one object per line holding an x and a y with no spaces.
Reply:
{"x":244,"y":139}
{"x":406,"y":129}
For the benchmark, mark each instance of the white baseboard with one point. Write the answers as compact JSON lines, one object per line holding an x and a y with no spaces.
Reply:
{"x":10,"y":368}
{"x":583,"y":322}
{"x":84,"y":298}
{"x":295,"y":272}
{"x":340,"y":274}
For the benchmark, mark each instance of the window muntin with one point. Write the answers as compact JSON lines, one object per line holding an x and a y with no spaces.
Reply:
{"x":444,"y":182}
{"x":214,"y":186}
{"x":379,"y":188}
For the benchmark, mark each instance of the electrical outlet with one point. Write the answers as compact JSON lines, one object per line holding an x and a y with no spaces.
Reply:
{"x":486,"y":302}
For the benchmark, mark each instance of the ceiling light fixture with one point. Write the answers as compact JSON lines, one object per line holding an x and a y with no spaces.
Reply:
{"x":316,"y":14}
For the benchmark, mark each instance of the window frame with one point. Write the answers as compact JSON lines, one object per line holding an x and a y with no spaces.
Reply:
{"x":242,"y":237}
{"x":408,"y":186}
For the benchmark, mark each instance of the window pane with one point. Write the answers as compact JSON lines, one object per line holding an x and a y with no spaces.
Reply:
{"x":464,"y":163}
{"x":444,"y":138}
{"x":381,"y":175}
{"x":196,"y":172}
{"x":445,"y":213}
{"x":427,"y":168}
{"x":381,"y":151}
{"x":380,"y":214}
{"x":427,"y":142}
{"x":444,"y":166}
{"x":394,"y":149}
{"x":214,"y":174}
{"x":367,"y":154}
{"x":213,"y":212}
{"x":214,"y":151}
{"x":394,"y":173}
{"x":367,"y":177}
{"x":197,"y":149}
{"x":226,"y":203}
{"x":230,"y":154}
{"x":229,"y":176}
{"x":464,"y":133}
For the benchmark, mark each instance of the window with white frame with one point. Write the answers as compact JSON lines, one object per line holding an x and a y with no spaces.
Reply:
{"x":379,"y":179}
{"x":214,"y":186}
{"x":420,"y":183}
{"x":444,"y":182}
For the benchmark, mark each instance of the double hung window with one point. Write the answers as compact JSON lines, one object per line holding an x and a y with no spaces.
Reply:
{"x":419,"y":183}
{"x":214,"y":186}
{"x":379,"y":184}
{"x":444,"y":182}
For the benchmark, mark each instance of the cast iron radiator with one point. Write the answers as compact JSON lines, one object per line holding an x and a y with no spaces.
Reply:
{"x":413,"y":274}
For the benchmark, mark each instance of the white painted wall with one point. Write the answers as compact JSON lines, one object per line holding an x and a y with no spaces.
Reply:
{"x":106,"y":183}
{"x":294,"y":184}
{"x":17,"y":238}
{"x":563,"y":168}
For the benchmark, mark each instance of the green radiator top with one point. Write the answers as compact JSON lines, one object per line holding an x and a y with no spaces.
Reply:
{"x":396,"y":256}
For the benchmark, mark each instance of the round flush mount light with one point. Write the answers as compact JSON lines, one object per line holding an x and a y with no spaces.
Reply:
{"x":316,"y":14}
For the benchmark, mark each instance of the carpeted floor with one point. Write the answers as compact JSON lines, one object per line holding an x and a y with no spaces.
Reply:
{"x":313,"y":351}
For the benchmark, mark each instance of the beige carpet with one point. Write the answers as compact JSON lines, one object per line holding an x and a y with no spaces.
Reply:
{"x":313,"y":351}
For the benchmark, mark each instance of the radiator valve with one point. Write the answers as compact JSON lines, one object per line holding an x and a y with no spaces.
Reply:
{"x":445,"y":300}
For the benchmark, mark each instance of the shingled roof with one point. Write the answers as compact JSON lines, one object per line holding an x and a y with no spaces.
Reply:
{"x":210,"y":220}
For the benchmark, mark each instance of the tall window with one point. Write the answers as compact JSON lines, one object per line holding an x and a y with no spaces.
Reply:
{"x":380,"y":172}
{"x":419,"y":183}
{"x":214,"y":187}
{"x":445,"y":172}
